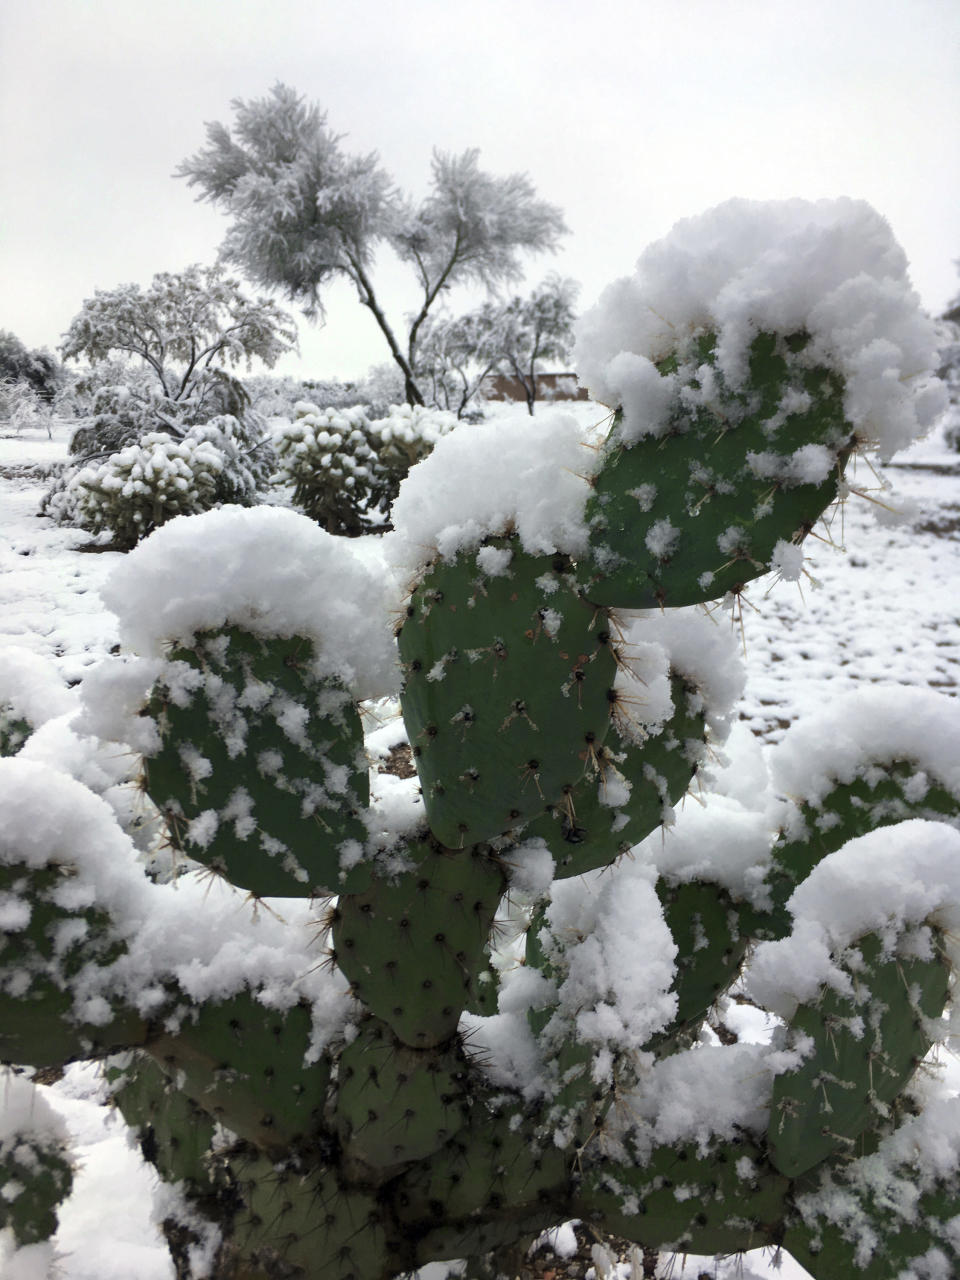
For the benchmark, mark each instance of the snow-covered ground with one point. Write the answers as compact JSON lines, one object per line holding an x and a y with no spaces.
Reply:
{"x":881,"y":603}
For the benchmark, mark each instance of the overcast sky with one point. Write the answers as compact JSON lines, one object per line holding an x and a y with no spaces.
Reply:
{"x":628,"y":114}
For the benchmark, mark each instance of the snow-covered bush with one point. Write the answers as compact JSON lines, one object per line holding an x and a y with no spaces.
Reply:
{"x":477,"y":1001}
{"x":327,"y":458}
{"x":144,"y":485}
{"x":22,"y":407}
{"x":345,"y":469}
{"x":160,"y":364}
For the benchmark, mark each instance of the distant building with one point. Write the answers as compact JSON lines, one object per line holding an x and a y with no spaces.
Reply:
{"x":550,"y":386}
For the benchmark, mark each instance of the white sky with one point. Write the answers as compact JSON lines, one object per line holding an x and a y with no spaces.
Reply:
{"x":628,"y":114}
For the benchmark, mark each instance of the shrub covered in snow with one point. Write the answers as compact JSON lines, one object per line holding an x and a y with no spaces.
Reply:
{"x":144,"y":485}
{"x":501,"y":1013}
{"x":345,"y":469}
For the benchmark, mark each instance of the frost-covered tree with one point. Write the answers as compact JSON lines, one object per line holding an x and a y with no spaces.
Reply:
{"x":478,"y":1000}
{"x":515,"y":337}
{"x":304,"y":213}
{"x":535,"y":329}
{"x":187,"y":330}
{"x":38,"y":369}
{"x":161,"y":376}
{"x":456,"y":356}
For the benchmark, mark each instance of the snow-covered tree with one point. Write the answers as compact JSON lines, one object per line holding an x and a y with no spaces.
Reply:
{"x":187,"y":329}
{"x":457,"y":354}
{"x":161,"y":372}
{"x":305,"y":213}
{"x":38,"y":369}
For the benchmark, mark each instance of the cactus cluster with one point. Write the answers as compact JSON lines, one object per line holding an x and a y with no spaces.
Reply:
{"x":344,"y":468}
{"x":429,"y":1019}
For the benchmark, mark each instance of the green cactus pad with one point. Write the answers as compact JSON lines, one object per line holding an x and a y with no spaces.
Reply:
{"x":244,"y":1065}
{"x":705,"y":924}
{"x":297,"y":1223}
{"x":865,"y":1049}
{"x":412,"y":948}
{"x":851,"y":809}
{"x":506,"y":690}
{"x":396,"y":1104}
{"x":174,"y":1132}
{"x":261,"y":773}
{"x":496,"y":1170}
{"x":688,"y":515}
{"x":722,"y":1202}
{"x":39,"y":963}
{"x":877,"y":1219}
{"x":584,"y":833}
{"x":35,"y":1178}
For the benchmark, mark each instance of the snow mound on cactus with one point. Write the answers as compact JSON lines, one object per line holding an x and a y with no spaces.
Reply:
{"x":512,"y":474}
{"x":194,"y":931}
{"x":829,"y":268}
{"x":856,"y":730}
{"x":890,"y":882}
{"x":270,"y":571}
{"x":31,"y":693}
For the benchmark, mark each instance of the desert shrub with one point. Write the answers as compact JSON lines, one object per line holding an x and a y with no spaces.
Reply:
{"x":345,"y":470}
{"x":22,"y":406}
{"x":147,"y":483}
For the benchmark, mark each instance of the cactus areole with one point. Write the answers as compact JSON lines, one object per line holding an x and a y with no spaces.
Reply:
{"x":362,"y":1021}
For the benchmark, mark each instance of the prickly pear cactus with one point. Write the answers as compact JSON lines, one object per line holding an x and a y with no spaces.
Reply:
{"x":369,"y":1021}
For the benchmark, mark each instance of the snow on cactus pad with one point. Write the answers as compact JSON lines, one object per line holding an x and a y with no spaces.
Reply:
{"x":781,"y":335}
{"x":273,"y":573}
{"x":828,"y":268}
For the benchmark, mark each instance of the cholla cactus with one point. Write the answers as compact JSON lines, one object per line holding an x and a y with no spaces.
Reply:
{"x":346,"y":469}
{"x":146,"y":484}
{"x":463,"y":1015}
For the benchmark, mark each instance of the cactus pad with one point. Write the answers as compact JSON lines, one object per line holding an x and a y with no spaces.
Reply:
{"x":690,"y":514}
{"x":586,"y":830}
{"x":244,"y":1065}
{"x":397,"y":1104}
{"x":866,"y":1046}
{"x":174,"y":1132}
{"x":43,"y":950}
{"x":261,"y":772}
{"x":412,"y":949}
{"x":506,"y":689}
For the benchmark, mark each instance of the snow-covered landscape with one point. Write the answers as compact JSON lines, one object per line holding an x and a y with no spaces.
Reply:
{"x":880,"y":604}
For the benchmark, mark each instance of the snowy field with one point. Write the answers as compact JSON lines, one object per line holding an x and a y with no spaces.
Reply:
{"x":880,"y":604}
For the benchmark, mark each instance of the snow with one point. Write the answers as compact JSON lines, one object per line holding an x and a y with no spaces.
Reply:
{"x":271,"y":571}
{"x":513,"y":473}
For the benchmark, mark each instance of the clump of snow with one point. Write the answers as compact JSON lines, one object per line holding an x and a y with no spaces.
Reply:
{"x":870,"y":725}
{"x":614,"y":956}
{"x":721,"y":843}
{"x":787,"y":561}
{"x":511,"y":474}
{"x":703,"y":653}
{"x":829,"y":268}
{"x":270,"y":571}
{"x":701,"y":1094}
{"x":884,"y":883}
{"x":26,"y":1113}
{"x":31,"y":688}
